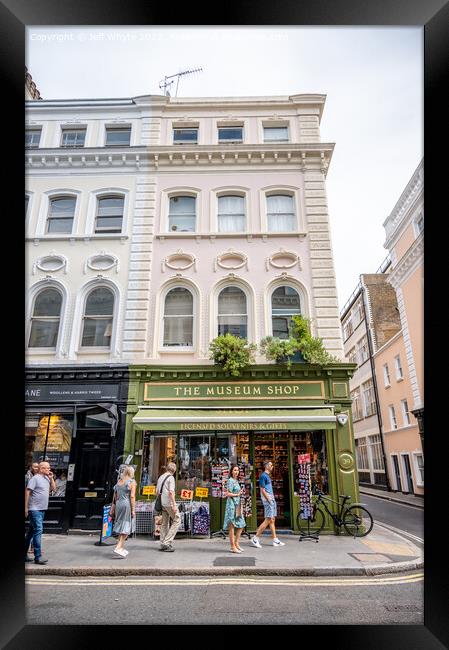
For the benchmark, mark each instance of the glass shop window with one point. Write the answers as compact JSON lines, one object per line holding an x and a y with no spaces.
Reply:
{"x":48,"y":436}
{"x":195,"y":456}
{"x":158,"y":451}
{"x":313,"y":443}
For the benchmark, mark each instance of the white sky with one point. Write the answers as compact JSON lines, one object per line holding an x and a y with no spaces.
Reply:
{"x":373,"y":79}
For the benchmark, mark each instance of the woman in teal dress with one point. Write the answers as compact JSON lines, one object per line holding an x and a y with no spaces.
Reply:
{"x":233,"y":515}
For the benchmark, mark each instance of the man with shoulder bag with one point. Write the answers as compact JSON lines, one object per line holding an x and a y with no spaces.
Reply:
{"x":165,"y":505}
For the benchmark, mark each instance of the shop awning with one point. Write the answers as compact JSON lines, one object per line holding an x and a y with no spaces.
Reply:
{"x":234,"y":419}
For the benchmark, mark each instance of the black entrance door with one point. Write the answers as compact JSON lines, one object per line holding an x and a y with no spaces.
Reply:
{"x":91,"y":477}
{"x":408,"y":472}
{"x":397,"y":473}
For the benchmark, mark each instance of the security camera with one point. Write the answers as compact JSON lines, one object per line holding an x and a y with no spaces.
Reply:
{"x":342,"y":419}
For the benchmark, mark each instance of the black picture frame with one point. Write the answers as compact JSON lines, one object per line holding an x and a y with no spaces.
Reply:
{"x":433,"y":15}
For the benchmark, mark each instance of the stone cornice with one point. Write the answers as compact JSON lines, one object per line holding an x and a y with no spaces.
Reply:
{"x":319,"y":154}
{"x":408,"y":262}
{"x":58,"y":373}
{"x":407,"y":200}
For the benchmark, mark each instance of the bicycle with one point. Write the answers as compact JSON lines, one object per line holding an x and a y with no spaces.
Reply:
{"x":355,"y":518}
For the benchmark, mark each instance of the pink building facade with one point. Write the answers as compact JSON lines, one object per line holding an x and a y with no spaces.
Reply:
{"x":231,"y":225}
{"x":399,"y":363}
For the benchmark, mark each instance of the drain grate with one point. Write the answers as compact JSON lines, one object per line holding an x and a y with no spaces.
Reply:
{"x":402,"y":608}
{"x":235,"y":561}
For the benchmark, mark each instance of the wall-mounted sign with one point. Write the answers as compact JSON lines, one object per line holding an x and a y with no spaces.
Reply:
{"x":70,"y":471}
{"x":71,"y":392}
{"x":187,"y":494}
{"x":90,"y":494}
{"x":149,"y":489}
{"x":168,"y":391}
{"x":202,"y":492}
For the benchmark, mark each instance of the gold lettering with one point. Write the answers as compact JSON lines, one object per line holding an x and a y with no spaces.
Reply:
{"x":237,"y":390}
{"x":228,"y":390}
{"x":278,"y":390}
{"x":295,"y":389}
{"x":256,"y":390}
{"x":220,"y":390}
{"x":210,"y":390}
{"x":288,"y":390}
{"x":196,"y":390}
{"x":270,"y":390}
{"x":177,"y":389}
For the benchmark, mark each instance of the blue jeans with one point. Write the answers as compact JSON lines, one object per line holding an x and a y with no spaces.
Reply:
{"x":34,"y":533}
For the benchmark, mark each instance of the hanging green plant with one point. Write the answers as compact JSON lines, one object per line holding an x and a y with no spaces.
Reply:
{"x":232,"y":353}
{"x":311,"y":347}
{"x":279,"y":350}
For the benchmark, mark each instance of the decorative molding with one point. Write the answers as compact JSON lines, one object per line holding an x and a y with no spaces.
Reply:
{"x":286,"y":255}
{"x":180,"y":256}
{"x":240,"y":260}
{"x":408,"y":263}
{"x":102,"y":261}
{"x":413,"y":189}
{"x":59,"y":262}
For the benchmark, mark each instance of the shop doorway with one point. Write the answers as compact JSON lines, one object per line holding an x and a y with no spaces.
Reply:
{"x":274,"y":446}
{"x":408,"y":473}
{"x":91,"y":484}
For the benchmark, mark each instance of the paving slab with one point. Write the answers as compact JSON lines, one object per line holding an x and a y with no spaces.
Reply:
{"x":382,"y":551}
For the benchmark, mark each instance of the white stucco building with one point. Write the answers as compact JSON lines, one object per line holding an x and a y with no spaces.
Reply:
{"x":154,"y":223}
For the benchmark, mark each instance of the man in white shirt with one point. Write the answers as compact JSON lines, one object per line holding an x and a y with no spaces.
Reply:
{"x":170,"y":512}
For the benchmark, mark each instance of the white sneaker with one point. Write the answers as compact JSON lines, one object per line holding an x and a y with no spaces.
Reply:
{"x":255,"y":542}
{"x":125,"y":551}
{"x":118,"y":551}
{"x":277,"y":542}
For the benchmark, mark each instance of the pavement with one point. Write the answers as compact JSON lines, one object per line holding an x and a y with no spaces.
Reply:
{"x":382,"y":551}
{"x":396,"y":497}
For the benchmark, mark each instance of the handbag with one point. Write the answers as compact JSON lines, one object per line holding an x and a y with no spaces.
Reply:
{"x":201,"y":522}
{"x":157,"y":508}
{"x":238,"y":510}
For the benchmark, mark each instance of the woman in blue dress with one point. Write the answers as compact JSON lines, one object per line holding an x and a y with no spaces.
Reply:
{"x":233,"y":515}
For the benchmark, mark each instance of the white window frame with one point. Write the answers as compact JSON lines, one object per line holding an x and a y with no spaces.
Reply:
{"x":101,"y":193}
{"x":35,"y":290}
{"x":48,"y":220}
{"x":298,"y":205}
{"x":70,"y":129}
{"x":369,"y":407}
{"x":386,"y":372}
{"x":416,"y":227}
{"x":38,"y":129}
{"x":304,"y":300}
{"x":117,"y":127}
{"x":193,"y":127}
{"x":361,"y":347}
{"x":282,"y":124}
{"x":41,"y":226}
{"x":246,"y":314}
{"x":405,"y":413}
{"x":362,"y":454}
{"x":228,"y":190}
{"x":398,"y":368}
{"x":352,"y":355}
{"x":348,"y":327}
{"x":357,"y":405}
{"x":393,"y":417}
{"x":101,"y":198}
{"x":171,"y":192}
{"x":245,"y":212}
{"x":419,"y":482}
{"x":230,"y":126}
{"x":160,"y":312}
{"x":107,"y":348}
{"x":77,"y":334}
{"x":250,"y":306}
{"x":179,"y":347}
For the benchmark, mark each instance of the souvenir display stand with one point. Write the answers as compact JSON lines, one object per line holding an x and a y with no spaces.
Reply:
{"x":195,"y":518}
{"x":306,"y":507}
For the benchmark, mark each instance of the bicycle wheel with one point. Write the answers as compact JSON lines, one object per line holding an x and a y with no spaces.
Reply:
{"x":311,"y":526}
{"x":357,"y":521}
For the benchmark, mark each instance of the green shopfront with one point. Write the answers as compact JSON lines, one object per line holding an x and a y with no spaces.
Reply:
{"x":203,"y":421}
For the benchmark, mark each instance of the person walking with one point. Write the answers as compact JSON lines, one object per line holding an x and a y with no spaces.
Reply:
{"x":269,"y":506}
{"x":33,"y":469}
{"x":37,"y":493}
{"x":171,"y":519}
{"x":234,"y":518}
{"x":123,"y":508}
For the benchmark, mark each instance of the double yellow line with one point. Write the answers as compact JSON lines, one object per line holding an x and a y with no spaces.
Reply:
{"x":226,"y":580}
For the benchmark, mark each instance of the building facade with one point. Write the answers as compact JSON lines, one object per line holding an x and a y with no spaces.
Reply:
{"x":153,"y":225}
{"x":402,"y":396}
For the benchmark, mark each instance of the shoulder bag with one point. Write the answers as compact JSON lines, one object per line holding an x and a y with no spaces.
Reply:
{"x":157,"y":508}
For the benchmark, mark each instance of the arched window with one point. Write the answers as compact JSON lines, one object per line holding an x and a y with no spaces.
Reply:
{"x":61,"y":214}
{"x":232,"y":312}
{"x":109,"y":215}
{"x":178,"y":318}
{"x":231,"y":214}
{"x":280,"y":213}
{"x":285,"y":303}
{"x":45,"y":320}
{"x":98,"y":318}
{"x":182,"y":214}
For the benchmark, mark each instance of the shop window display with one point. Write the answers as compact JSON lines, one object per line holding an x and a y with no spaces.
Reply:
{"x":313,"y":443}
{"x":194,"y":461}
{"x":48,"y":436}
{"x":158,"y":451}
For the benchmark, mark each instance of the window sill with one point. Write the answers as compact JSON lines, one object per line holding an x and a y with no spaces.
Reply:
{"x":93,"y":350}
{"x":176,"y":350}
{"x":387,"y":385}
{"x":37,"y":351}
{"x":224,"y":235}
{"x":399,"y":379}
{"x":60,"y":237}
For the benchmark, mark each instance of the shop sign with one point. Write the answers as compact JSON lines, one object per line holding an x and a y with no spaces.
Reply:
{"x":149,"y":489}
{"x":187,"y":494}
{"x":202,"y":492}
{"x":71,"y":392}
{"x":90,"y":494}
{"x":223,"y":390}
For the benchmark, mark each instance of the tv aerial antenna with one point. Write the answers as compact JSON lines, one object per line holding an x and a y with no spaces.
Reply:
{"x":165,"y":85}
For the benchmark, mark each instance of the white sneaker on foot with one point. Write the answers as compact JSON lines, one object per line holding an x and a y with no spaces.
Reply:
{"x":255,"y":542}
{"x":119,"y":551}
{"x":277,"y":542}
